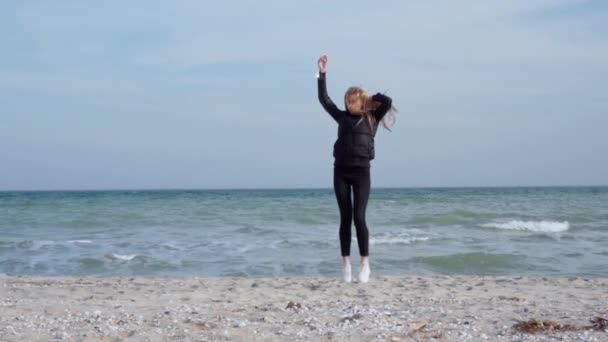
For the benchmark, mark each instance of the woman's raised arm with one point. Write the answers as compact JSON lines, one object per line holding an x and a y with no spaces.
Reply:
{"x":329,"y":106}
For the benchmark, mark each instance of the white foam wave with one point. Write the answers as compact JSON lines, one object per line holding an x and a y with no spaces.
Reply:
{"x":171,"y":247}
{"x":533,"y":226}
{"x":397,"y":241}
{"x":36,"y":245}
{"x":125,"y":257}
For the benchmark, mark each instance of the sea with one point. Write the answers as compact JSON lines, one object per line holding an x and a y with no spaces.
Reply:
{"x":510,"y":231}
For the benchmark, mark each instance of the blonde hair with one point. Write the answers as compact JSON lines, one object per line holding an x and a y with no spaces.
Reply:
{"x":358,"y":102}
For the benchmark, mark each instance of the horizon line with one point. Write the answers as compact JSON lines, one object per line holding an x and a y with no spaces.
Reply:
{"x":304,"y":188}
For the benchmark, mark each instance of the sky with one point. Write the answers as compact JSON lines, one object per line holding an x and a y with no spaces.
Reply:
{"x":205,"y":95}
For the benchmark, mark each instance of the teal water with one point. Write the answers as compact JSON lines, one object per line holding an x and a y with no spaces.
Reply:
{"x":548,"y":231}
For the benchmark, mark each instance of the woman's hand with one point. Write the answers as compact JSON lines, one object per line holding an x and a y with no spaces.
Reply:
{"x":322,"y":64}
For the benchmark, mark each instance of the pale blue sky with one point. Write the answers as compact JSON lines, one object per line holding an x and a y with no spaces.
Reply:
{"x":198,"y":94}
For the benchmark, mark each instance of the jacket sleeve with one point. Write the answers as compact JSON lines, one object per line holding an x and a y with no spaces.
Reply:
{"x":385,"y":105}
{"x":326,"y":102}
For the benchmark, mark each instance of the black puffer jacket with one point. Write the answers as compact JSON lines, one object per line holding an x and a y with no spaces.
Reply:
{"x":355,"y":143}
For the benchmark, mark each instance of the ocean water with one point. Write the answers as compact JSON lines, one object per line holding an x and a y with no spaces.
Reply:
{"x":547,"y":231}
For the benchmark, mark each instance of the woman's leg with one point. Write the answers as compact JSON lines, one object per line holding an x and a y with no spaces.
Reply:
{"x":342,"y":189}
{"x":343,"y":193}
{"x":361,"y":189}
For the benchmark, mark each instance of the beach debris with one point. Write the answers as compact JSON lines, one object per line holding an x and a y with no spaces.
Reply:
{"x":534,"y":326}
{"x":352,"y":318}
{"x":314,"y":287}
{"x":204,"y":325}
{"x":423,"y":333}
{"x":266,"y":307}
{"x":515,"y":299}
{"x":599,"y":324}
{"x":292,"y":305}
{"x":414,"y":331}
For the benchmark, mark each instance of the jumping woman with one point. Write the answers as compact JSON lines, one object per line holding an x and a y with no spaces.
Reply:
{"x":353,"y":151}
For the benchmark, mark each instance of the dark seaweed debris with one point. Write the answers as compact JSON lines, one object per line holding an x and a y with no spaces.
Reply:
{"x":534,"y":326}
{"x":599,"y":324}
{"x":292,"y":305}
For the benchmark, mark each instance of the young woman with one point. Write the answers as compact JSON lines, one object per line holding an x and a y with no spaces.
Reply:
{"x":353,"y":151}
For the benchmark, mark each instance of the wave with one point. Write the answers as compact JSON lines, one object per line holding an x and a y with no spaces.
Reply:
{"x":35,"y":245}
{"x":125,"y":257}
{"x":171,"y":247}
{"x":89,"y":262}
{"x":397,"y":241}
{"x":455,"y":217}
{"x":533,"y":226}
{"x":399,"y":236}
{"x":254,"y":230}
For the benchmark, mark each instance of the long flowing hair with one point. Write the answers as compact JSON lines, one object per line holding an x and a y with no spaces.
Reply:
{"x":365,"y":106}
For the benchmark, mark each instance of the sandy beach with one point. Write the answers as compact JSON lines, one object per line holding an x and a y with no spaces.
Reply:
{"x":443,"y":308}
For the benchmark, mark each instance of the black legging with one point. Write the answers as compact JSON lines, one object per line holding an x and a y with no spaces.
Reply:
{"x":358,"y":178}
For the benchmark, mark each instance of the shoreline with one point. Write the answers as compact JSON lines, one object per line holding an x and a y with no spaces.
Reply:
{"x":442,"y":308}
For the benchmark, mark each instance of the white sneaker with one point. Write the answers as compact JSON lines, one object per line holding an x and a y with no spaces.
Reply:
{"x":364,"y":273}
{"x":347,"y":273}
